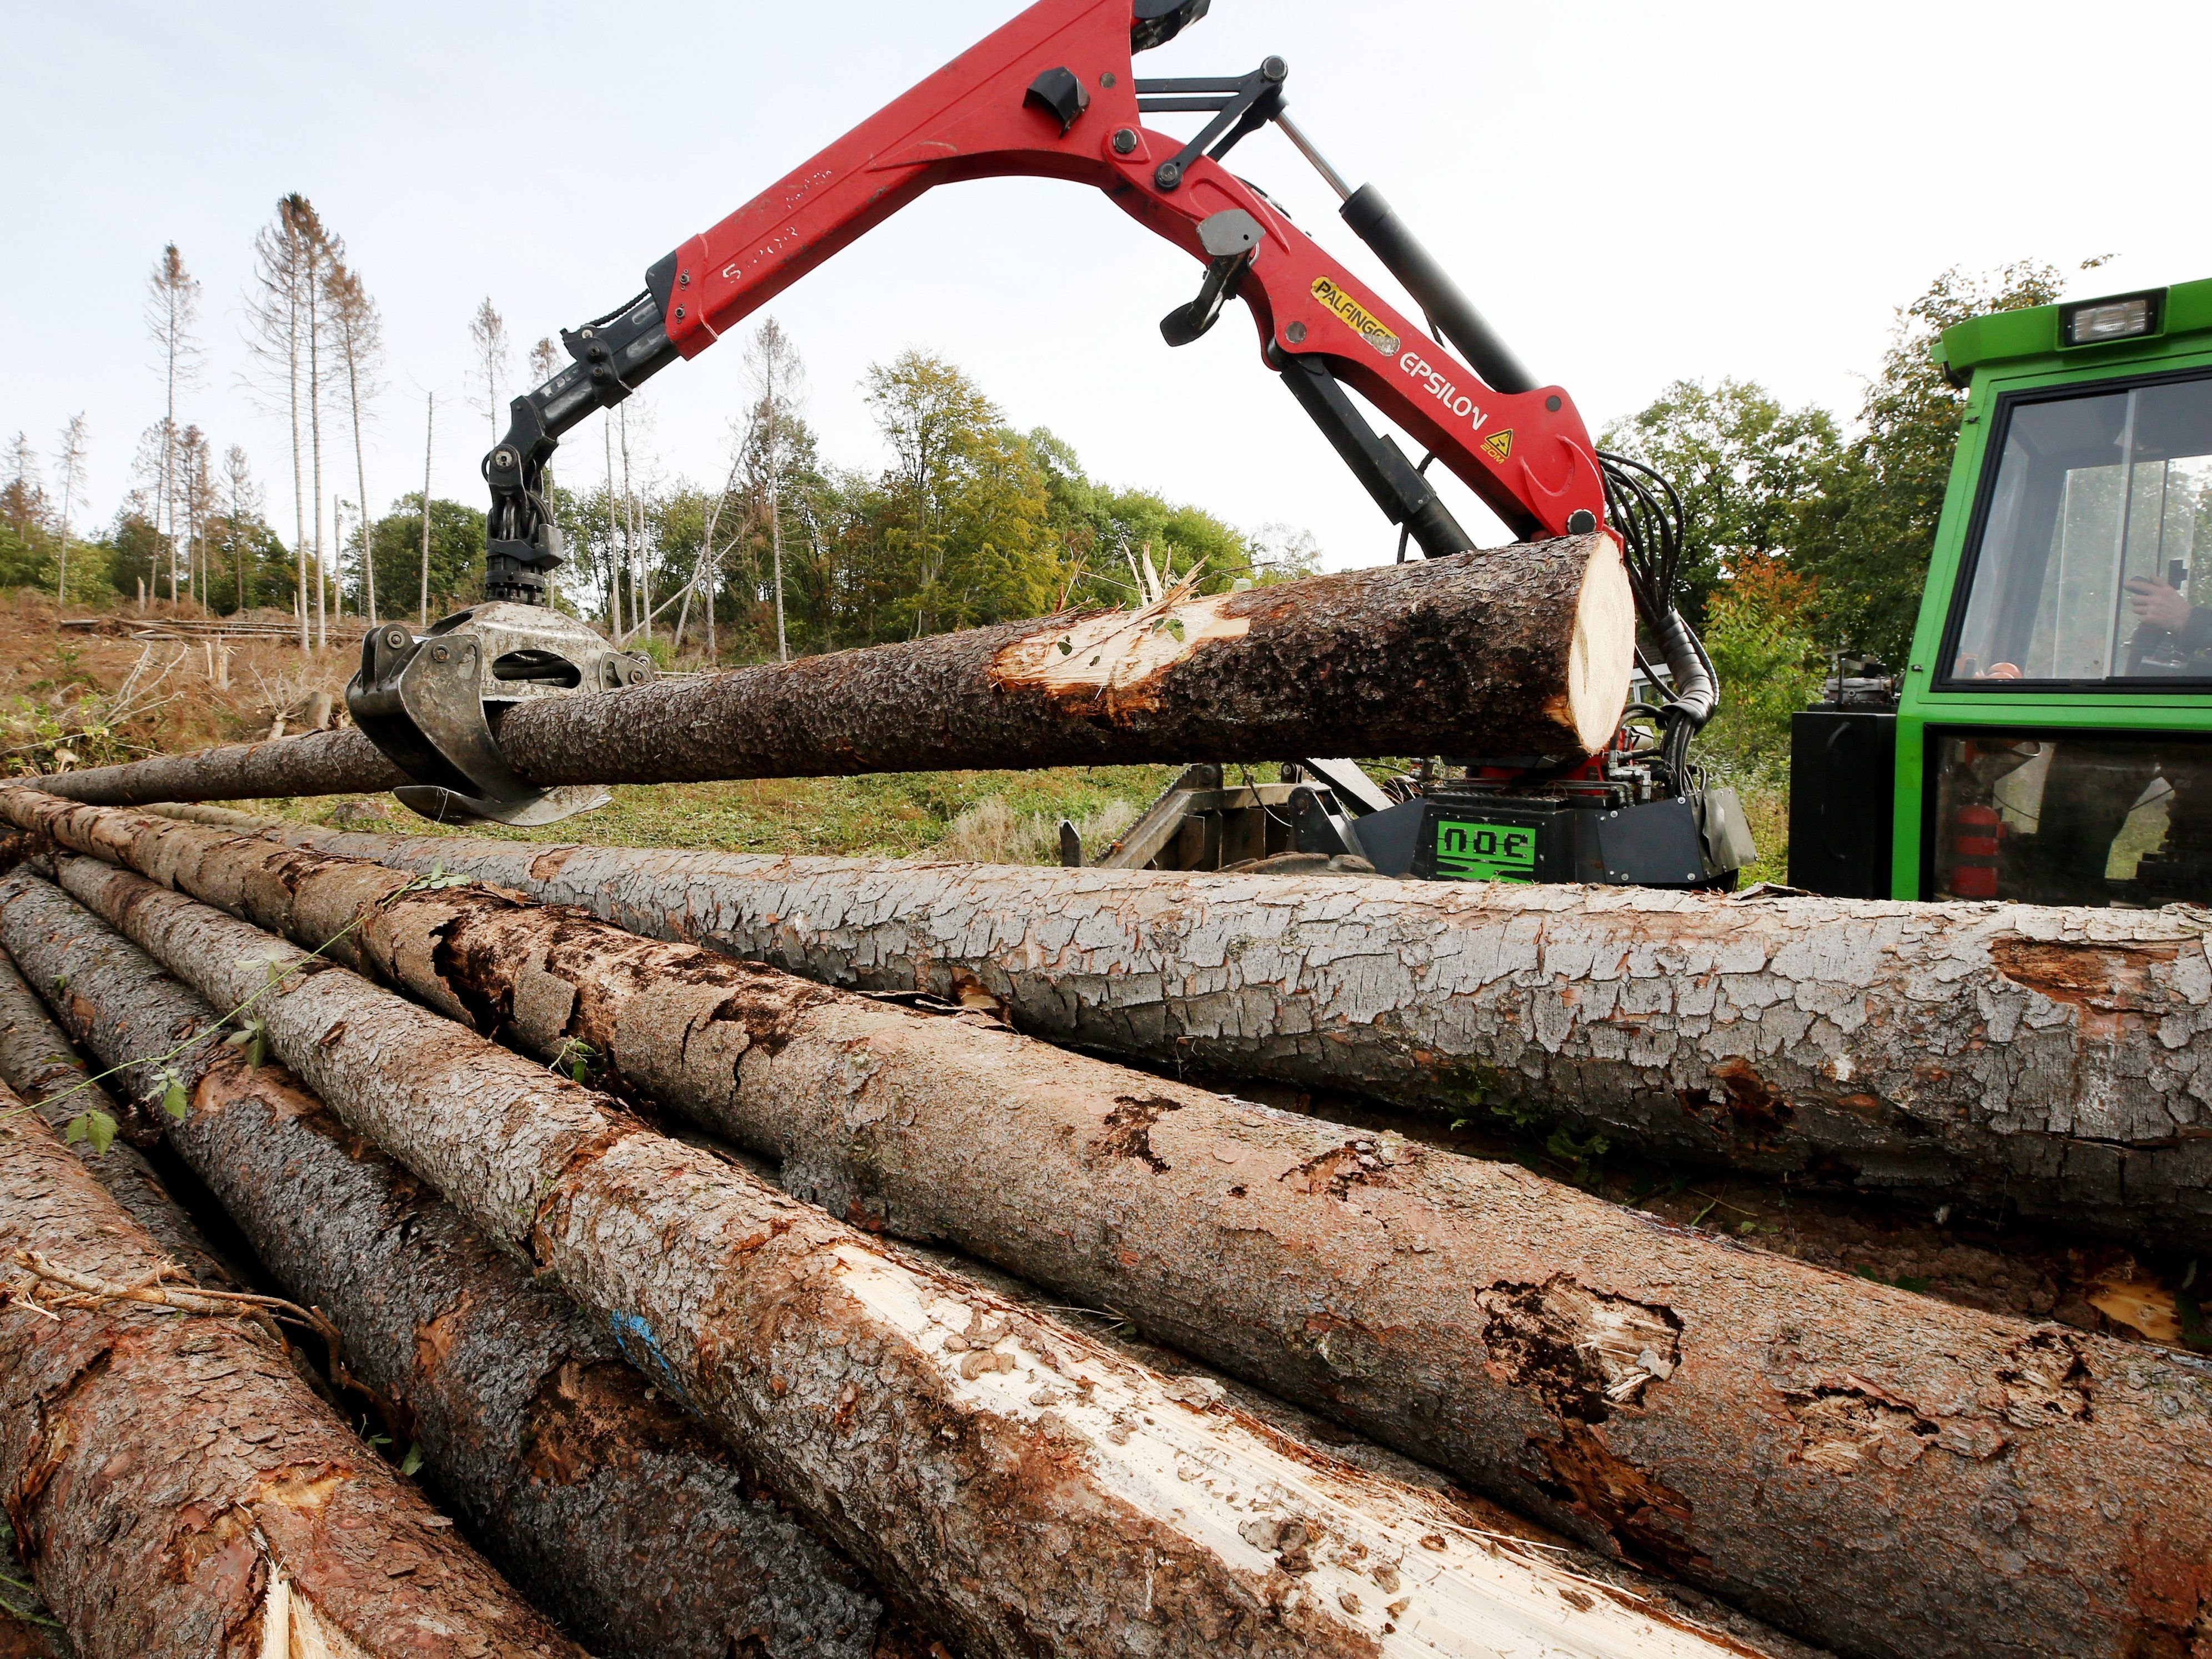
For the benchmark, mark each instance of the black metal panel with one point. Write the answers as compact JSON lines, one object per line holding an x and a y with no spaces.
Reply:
{"x":1843,"y":782}
{"x":1656,"y":844}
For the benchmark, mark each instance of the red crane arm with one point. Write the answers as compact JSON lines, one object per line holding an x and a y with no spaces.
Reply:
{"x":1527,"y":454}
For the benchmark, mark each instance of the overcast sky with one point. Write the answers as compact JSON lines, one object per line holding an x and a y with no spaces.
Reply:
{"x":1633,"y":193}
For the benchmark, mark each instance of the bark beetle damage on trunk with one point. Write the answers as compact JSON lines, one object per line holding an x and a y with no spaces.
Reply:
{"x":2054,"y":1061}
{"x":1475,"y":655}
{"x":36,"y":1061}
{"x":590,"y":1489}
{"x":1033,"y":1489}
{"x":1698,"y":1407}
{"x":179,"y":1491}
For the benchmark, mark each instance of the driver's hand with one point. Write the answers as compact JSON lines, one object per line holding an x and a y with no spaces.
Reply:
{"x":2157,"y":606}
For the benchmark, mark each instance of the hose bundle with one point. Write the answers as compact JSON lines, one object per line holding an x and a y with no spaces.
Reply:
{"x":1646,"y":514}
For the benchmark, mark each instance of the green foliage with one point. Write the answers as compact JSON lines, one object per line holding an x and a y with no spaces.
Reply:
{"x":138,"y":551}
{"x":456,"y":548}
{"x":94,"y":1127}
{"x":1857,"y":513}
{"x":249,"y":567}
{"x":1869,"y":537}
{"x":1746,"y":469}
{"x":1759,"y":630}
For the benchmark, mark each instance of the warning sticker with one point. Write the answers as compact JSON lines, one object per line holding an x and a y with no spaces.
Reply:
{"x":1499,"y":444}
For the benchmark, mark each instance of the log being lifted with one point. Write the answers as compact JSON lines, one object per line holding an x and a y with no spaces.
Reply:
{"x":2057,"y":1061}
{"x":1520,"y":650}
{"x":599,"y":1499}
{"x":178,"y":1491}
{"x":1704,"y":1408}
{"x":1035,"y":1491}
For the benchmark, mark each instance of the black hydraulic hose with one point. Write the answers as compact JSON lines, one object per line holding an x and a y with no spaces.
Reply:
{"x":1376,"y":223}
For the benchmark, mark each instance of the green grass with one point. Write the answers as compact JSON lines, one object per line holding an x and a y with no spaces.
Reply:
{"x":877,"y":816}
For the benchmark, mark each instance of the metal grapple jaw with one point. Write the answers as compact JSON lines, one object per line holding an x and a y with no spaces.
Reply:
{"x":427,"y":702}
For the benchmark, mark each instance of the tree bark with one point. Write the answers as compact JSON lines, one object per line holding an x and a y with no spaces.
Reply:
{"x":178,"y":1491}
{"x":1521,"y":650}
{"x":1700,"y":1409}
{"x":1033,"y":1489}
{"x":38,"y":1062}
{"x":2053,"y":1062}
{"x":594,"y":1494}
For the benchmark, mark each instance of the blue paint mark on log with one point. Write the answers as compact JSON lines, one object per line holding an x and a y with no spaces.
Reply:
{"x":640,"y":1346}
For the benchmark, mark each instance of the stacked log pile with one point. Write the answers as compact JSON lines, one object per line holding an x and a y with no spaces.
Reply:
{"x":630,"y":1190}
{"x":1033,"y":1488}
{"x":1705,"y":1409}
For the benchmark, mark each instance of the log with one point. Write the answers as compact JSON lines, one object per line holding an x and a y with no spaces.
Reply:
{"x":38,"y":1062}
{"x":1520,"y":650}
{"x":594,"y":1494}
{"x":1033,"y":1490}
{"x":177,"y":1490}
{"x":2051,"y":1062}
{"x":1696,"y":1407}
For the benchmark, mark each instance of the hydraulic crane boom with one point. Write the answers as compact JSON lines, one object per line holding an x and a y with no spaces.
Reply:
{"x":1051,"y":94}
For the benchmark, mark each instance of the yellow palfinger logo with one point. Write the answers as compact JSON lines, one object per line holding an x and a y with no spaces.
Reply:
{"x":1355,"y":316}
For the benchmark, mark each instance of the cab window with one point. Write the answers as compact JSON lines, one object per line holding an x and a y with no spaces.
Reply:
{"x":2095,"y":559}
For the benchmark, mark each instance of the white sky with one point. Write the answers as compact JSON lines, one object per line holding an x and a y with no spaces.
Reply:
{"x":1631,"y":192}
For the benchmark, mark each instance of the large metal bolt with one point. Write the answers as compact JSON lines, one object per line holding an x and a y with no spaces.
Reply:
{"x":1275,"y":68}
{"x":1169,"y":176}
{"x":438,"y":654}
{"x":1125,"y":141}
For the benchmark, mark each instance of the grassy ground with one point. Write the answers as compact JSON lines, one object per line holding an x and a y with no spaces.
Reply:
{"x":997,"y":816}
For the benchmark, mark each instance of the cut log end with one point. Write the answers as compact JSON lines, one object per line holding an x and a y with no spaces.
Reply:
{"x":1602,"y":653}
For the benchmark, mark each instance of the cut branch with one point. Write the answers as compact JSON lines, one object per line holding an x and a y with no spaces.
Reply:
{"x":602,"y":1501}
{"x":177,"y":1488}
{"x":2057,"y":1062}
{"x":1033,"y":1488}
{"x":1692,"y":1406}
{"x":1522,"y":650}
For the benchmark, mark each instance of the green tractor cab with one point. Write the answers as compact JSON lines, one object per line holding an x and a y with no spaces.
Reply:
{"x":2050,"y":740}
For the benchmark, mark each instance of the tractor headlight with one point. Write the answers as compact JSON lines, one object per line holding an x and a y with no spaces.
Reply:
{"x":2093,"y":322}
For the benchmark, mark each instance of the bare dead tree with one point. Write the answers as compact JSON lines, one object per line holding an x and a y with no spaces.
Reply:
{"x":172,"y":302}
{"x":71,"y":460}
{"x":357,"y":331}
{"x":322,"y":252}
{"x":276,"y":315}
{"x":779,"y":379}
{"x":488,"y":334}
{"x":429,"y":431}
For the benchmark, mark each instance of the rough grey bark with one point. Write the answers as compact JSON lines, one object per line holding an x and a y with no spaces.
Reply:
{"x":39,"y":1063}
{"x":1035,"y":1491}
{"x":591,"y":1490}
{"x":1468,"y":655}
{"x":179,"y":1493}
{"x":1705,"y":1409}
{"x":2057,"y":1062}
